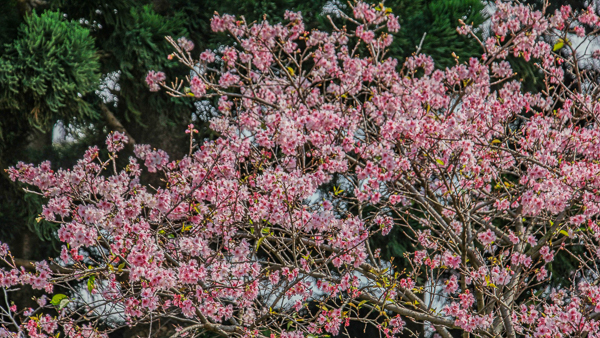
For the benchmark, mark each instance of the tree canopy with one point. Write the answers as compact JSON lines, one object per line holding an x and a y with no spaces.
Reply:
{"x":321,"y":141}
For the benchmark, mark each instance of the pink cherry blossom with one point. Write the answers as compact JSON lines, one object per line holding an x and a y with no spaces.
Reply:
{"x":316,"y":152}
{"x":153,"y":79}
{"x":487,"y":237}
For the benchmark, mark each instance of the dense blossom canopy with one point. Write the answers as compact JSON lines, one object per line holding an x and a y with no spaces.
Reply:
{"x":324,"y":142}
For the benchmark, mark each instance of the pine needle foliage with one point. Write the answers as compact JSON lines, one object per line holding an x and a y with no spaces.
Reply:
{"x":46,"y":72}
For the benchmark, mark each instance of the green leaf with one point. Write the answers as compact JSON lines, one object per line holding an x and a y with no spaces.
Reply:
{"x":59,"y":300}
{"x":558,"y":45}
{"x":440,"y":162}
{"x":259,"y":242}
{"x":562,"y":232}
{"x":121,"y":267}
{"x":91,"y":283}
{"x":63,"y":303}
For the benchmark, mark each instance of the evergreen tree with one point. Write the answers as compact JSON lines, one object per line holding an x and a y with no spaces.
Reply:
{"x":45,"y":74}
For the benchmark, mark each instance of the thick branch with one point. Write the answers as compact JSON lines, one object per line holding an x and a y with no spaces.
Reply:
{"x":29,"y":265}
{"x":26,"y":6}
{"x":114,"y":124}
{"x":409,"y":313}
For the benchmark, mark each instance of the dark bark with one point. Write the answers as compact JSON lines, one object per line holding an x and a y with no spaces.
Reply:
{"x":114,"y":124}
{"x":26,"y":6}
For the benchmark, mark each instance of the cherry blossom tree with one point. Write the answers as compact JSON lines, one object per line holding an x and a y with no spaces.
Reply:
{"x":243,"y":238}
